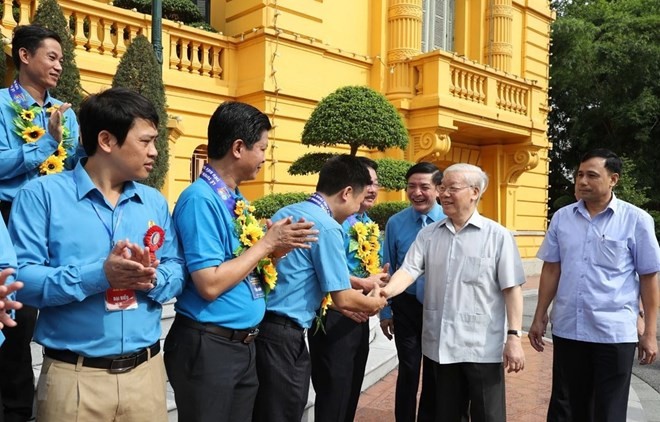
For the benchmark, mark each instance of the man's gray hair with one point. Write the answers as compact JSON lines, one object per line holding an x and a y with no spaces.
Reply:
{"x":473,"y":175}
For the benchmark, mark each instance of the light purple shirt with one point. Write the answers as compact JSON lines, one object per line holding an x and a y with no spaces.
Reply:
{"x":598,"y":294}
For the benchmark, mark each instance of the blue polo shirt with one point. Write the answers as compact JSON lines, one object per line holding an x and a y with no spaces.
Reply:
{"x":306,"y":275}
{"x":400,"y":232}
{"x":62,"y":227}
{"x":20,"y":161}
{"x":7,"y":258}
{"x":351,"y":257}
{"x":206,"y":229}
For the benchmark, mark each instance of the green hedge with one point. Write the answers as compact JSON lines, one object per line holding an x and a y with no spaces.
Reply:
{"x":382,"y":212}
{"x":268,"y":205}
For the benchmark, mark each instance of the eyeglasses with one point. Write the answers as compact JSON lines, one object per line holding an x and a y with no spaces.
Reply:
{"x":375,"y":185}
{"x":451,"y":189}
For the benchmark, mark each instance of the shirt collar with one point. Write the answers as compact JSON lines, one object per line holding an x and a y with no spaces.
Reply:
{"x":85,"y":185}
{"x":48,"y":100}
{"x":433,"y":214}
{"x":475,"y":220}
{"x":582,"y":209}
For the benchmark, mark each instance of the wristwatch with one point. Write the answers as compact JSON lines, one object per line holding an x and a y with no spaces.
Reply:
{"x":517,"y":333}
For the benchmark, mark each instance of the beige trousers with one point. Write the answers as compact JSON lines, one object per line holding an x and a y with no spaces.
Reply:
{"x":74,"y":393}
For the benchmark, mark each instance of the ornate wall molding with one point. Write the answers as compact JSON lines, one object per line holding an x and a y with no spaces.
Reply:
{"x":430,"y":145}
{"x":519,"y":161}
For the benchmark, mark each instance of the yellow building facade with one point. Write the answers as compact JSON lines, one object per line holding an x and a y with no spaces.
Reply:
{"x":469,"y":77}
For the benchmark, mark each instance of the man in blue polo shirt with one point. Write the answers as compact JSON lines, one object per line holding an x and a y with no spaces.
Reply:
{"x":339,"y":352}
{"x":404,"y":321}
{"x":28,"y":145}
{"x":305,"y":276}
{"x":209,"y":352}
{"x":99,"y":256}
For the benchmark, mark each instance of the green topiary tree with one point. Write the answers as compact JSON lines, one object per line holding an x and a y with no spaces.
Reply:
{"x":139,"y":70}
{"x":3,"y":67}
{"x":268,"y":205}
{"x":356,"y":116}
{"x":49,"y":15}
{"x":185,"y":11}
{"x":382,"y":212}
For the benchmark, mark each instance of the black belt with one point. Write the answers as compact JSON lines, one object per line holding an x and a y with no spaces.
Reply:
{"x":282,"y":320}
{"x":113,"y":365}
{"x":245,"y":336}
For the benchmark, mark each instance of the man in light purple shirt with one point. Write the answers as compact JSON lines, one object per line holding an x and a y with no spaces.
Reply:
{"x":600,"y":255}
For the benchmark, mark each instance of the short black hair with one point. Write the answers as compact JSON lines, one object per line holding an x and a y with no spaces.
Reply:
{"x":342,"y":171}
{"x":436,"y":179}
{"x":233,"y":120}
{"x":30,"y":38}
{"x":422,"y":167}
{"x":113,"y":110}
{"x":368,"y":162}
{"x":613,"y":163}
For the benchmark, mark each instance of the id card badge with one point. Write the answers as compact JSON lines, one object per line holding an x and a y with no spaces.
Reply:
{"x":255,"y":286}
{"x":120,"y":300}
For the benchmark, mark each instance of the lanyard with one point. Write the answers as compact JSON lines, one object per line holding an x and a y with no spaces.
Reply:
{"x":318,"y":200}
{"x":110,"y":229}
{"x":210,"y":176}
{"x":17,"y":95}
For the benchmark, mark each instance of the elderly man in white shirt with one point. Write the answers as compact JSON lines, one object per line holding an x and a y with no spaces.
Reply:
{"x":473,"y":275}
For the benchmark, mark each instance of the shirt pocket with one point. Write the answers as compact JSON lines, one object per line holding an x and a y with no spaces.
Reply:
{"x":477,"y":270}
{"x":611,"y":254}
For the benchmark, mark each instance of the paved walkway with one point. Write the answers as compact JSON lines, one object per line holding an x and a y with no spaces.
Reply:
{"x":527,"y":392}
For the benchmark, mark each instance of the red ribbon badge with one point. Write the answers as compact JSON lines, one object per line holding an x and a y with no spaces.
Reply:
{"x":154,"y":239}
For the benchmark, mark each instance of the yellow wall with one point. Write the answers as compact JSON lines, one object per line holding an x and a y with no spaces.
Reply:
{"x":481,"y":104}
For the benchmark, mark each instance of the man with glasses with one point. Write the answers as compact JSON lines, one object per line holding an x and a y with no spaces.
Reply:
{"x":405,"y":315}
{"x":473,"y":272}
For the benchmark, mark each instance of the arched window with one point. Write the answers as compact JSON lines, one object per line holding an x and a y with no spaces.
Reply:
{"x":438,"y":25}
{"x":199,"y":158}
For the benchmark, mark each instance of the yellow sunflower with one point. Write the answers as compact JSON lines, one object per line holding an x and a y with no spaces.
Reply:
{"x":375,"y":231}
{"x":32,"y":133}
{"x":251,"y":234}
{"x":52,"y":165}
{"x":60,"y":152}
{"x":240,"y":207}
{"x":325,"y":303}
{"x":251,"y":209}
{"x":27,"y":115}
{"x":360,"y":231}
{"x":364,"y":247}
{"x":270,"y":274}
{"x":372,"y":263}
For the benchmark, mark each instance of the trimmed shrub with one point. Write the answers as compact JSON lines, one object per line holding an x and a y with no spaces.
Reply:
{"x":392,"y":173}
{"x":268,"y":205}
{"x":68,"y":89}
{"x":139,"y":71}
{"x":176,"y":10}
{"x":382,"y":212}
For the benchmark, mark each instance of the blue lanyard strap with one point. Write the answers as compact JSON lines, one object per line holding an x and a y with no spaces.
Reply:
{"x":318,"y":200}
{"x":110,"y":229}
{"x":210,"y":176}
{"x":17,"y":95}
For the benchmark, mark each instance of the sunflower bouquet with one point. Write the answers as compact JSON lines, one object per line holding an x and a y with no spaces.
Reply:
{"x":319,"y":320}
{"x":26,"y":129}
{"x":249,"y":232}
{"x":365,"y":242}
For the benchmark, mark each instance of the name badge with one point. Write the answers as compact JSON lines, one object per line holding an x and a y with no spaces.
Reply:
{"x":120,"y":300}
{"x":255,"y":286}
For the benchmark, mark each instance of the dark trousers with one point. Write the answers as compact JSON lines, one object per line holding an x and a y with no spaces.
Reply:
{"x":339,"y":357}
{"x":283,"y":368}
{"x":16,"y":376}
{"x":407,"y":317}
{"x":214,"y":378}
{"x":476,"y":389}
{"x":590,"y":381}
